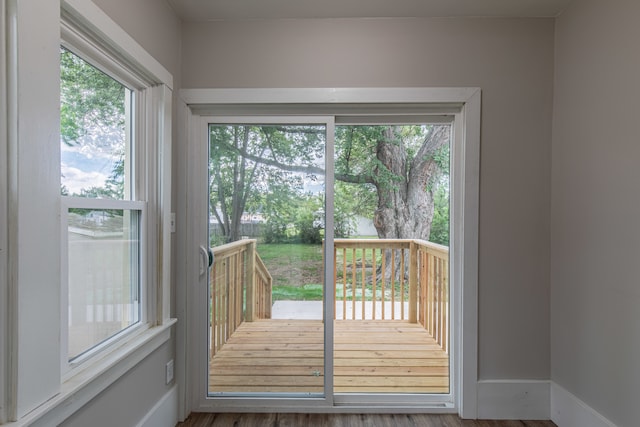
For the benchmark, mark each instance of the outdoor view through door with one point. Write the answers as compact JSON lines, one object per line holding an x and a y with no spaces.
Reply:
{"x":390,"y":272}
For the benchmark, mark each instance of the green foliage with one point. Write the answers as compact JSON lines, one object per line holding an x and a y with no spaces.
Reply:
{"x":351,"y":200}
{"x":87,"y":97}
{"x":275,"y":230}
{"x":307,"y":230}
{"x":92,"y":116}
{"x":247,"y":174}
{"x":267,"y":169}
{"x":440,"y":223}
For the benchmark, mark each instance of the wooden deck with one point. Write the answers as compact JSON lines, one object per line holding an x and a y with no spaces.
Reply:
{"x":286,"y":356}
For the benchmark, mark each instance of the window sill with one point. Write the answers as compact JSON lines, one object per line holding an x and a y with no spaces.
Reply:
{"x":82,"y":387}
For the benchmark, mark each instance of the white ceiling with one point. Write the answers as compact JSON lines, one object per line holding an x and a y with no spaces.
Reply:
{"x":205,"y":10}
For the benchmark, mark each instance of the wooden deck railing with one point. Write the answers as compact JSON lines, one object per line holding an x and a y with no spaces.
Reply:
{"x":433,"y":282}
{"x":377,"y":279}
{"x":240,"y":287}
{"x":374,"y":279}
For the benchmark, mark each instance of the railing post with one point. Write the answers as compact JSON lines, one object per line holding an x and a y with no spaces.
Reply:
{"x":252,"y":300}
{"x":413,"y":282}
{"x":269,"y":298}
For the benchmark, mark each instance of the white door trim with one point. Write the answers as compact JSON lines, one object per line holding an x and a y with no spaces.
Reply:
{"x":464,"y":104}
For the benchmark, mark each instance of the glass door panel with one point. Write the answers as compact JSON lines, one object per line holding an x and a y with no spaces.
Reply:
{"x":391,"y":257}
{"x":266,"y":232}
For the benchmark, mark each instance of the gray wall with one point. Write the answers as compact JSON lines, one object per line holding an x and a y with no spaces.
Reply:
{"x":129,"y":399}
{"x":510,"y":59}
{"x":595,"y":235}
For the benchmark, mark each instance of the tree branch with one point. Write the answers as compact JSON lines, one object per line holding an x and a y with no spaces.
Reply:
{"x":306,"y":169}
{"x":436,"y":139}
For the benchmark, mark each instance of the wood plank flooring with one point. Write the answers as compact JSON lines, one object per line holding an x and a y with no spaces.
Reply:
{"x":389,"y":356}
{"x":347,"y":420}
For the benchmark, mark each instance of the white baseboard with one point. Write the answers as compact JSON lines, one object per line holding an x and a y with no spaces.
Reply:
{"x":569,"y":411}
{"x":164,"y":413}
{"x":514,"y":400}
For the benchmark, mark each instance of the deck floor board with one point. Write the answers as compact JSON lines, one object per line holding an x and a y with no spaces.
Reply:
{"x":286,"y":356}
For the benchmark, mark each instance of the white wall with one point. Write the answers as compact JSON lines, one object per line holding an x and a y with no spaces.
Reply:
{"x":595,"y":234}
{"x":511,"y":60}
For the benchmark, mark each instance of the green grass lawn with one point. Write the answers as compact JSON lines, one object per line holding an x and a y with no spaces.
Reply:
{"x":311,"y":292}
{"x":297,"y":272}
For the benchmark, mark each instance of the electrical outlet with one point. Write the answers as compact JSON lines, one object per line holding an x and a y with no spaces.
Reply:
{"x":169,"y":372}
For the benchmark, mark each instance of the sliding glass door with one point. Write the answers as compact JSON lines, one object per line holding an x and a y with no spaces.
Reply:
{"x":325,"y":263}
{"x":267,"y":221}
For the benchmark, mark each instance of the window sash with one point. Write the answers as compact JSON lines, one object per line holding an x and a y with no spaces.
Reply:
{"x":69,"y":363}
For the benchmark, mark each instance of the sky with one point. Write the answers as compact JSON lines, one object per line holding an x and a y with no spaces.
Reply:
{"x":84,"y":166}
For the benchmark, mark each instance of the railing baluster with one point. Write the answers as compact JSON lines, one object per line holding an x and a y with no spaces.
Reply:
{"x":413,"y":283}
{"x":402,"y":270}
{"x":353,"y":284}
{"x":393,"y":284}
{"x":445,"y":303}
{"x":215,"y":310}
{"x":434,"y":315}
{"x":383,"y":298}
{"x":374,"y":297}
{"x":364,"y":269}
{"x":434,"y":285}
{"x":233,"y":280}
{"x":344,"y":283}
{"x":428,"y":290}
{"x":423,"y":287}
{"x":335,"y":277}
{"x":439,"y":306}
{"x":240,"y":298}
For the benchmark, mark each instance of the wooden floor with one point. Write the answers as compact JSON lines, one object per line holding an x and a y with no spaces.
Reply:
{"x":389,"y":356}
{"x":347,"y":420}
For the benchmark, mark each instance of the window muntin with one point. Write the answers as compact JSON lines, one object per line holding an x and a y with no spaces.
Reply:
{"x":102,"y":218}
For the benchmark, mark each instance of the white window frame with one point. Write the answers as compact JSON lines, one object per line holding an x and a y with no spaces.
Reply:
{"x":145,"y":183}
{"x":38,"y":391}
{"x":464,"y":104}
{"x":141,"y":155}
{"x":4,"y":278}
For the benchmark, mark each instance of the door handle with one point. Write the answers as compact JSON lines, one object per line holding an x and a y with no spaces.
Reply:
{"x":206,"y":259}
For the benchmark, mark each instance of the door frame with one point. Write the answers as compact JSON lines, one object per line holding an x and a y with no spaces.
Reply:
{"x":464,"y":105}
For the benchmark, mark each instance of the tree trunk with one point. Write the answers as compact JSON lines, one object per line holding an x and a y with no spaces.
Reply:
{"x":404,"y":189}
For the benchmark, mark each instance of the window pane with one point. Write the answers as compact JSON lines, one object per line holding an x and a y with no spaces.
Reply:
{"x":104,"y":280}
{"x":95,"y":132}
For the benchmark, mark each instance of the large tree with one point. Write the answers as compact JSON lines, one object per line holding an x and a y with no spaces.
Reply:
{"x":400,"y":165}
{"x":403,"y":164}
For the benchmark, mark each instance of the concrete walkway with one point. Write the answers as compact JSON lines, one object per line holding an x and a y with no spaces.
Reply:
{"x":312,"y":310}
